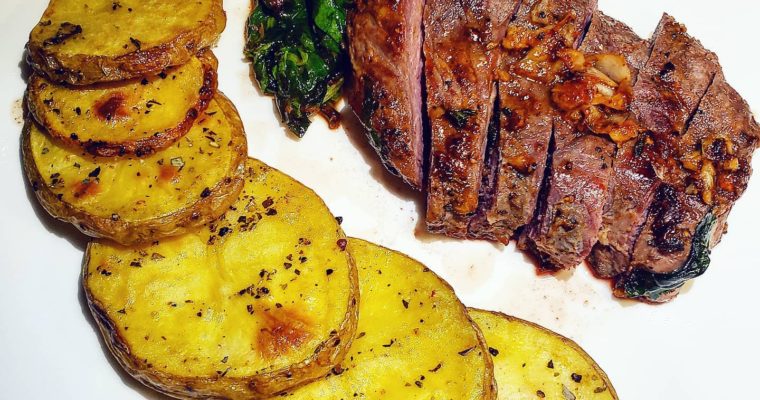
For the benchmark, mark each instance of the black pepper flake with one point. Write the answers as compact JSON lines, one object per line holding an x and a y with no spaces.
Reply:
{"x":224,"y":360}
{"x":342,"y":244}
{"x":302,"y":259}
{"x":249,"y":308}
{"x":135,"y":42}
{"x":437,"y":367}
{"x":466,"y":351}
{"x":493,"y":351}
{"x":162,"y":75}
{"x":576,"y":378}
{"x":135,"y":263}
{"x":144,"y":81}
{"x":267,"y":203}
{"x":329,"y":271}
{"x":94,"y":173}
{"x":223,"y":231}
{"x":264,"y":290}
{"x":271,"y":212}
{"x":339,"y":219}
{"x":78,"y":111}
{"x":540,"y":394}
{"x":122,"y":311}
{"x":390,"y":344}
{"x":205,"y":193}
{"x":550,"y":364}
{"x":74,"y":136}
{"x":405,"y":303}
{"x":287,"y":265}
{"x":199,"y":313}
{"x":418,"y":384}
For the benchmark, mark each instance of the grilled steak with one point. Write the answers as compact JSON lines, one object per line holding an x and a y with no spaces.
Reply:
{"x":577,"y":192}
{"x":385,"y":91}
{"x":461,"y":54}
{"x":526,"y":122}
{"x":522,"y":146}
{"x":689,"y":216}
{"x":633,"y":178}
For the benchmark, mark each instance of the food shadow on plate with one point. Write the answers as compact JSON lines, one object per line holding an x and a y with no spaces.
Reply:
{"x":128,"y":380}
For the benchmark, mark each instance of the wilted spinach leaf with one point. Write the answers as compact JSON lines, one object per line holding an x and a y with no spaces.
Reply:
{"x":651,"y":286}
{"x":297,"y":48}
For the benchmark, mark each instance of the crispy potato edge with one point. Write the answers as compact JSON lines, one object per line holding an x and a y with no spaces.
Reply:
{"x":142,"y":147}
{"x":81,"y":69}
{"x":568,"y":342}
{"x":204,"y":210}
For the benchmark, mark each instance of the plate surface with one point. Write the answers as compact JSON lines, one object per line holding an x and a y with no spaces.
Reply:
{"x":701,"y":346}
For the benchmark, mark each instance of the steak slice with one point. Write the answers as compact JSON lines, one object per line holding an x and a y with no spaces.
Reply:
{"x":683,"y":225}
{"x":525,"y":127}
{"x":522,"y":148}
{"x":461,"y":49}
{"x":385,"y":91}
{"x":577,"y":192}
{"x":634,"y":180}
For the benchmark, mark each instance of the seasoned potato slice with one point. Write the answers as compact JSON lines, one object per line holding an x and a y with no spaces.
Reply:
{"x":138,"y":116}
{"x":104,"y":40}
{"x":131,"y":199}
{"x":261,"y":300}
{"x":533,"y":362}
{"x":414,"y":339}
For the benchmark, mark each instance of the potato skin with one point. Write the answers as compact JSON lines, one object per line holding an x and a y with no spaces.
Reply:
{"x":104,"y":146}
{"x":205,"y":209}
{"x":518,"y":351}
{"x":85,"y":69}
{"x":262,"y":385}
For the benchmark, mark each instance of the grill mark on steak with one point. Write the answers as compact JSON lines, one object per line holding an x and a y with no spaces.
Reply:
{"x":385,"y":90}
{"x":633,"y":178}
{"x":461,"y":48}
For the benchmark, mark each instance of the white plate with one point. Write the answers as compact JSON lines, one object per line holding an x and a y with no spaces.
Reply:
{"x":701,"y":346}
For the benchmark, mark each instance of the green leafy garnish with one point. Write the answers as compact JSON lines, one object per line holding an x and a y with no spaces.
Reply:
{"x":298,"y":50}
{"x":459,"y":118}
{"x":651,"y":286}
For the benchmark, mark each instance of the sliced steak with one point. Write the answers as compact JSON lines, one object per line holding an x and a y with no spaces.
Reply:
{"x":688,"y":218}
{"x":522,"y":147}
{"x":385,"y":90}
{"x":525,"y":127}
{"x":577,"y":192}
{"x":461,"y":50}
{"x":634,"y":180}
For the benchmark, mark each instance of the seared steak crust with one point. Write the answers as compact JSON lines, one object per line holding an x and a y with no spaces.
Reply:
{"x":385,"y":91}
{"x":461,"y":49}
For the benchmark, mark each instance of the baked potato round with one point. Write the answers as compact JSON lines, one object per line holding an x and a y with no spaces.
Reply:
{"x":533,"y":362}
{"x":415,"y":339}
{"x":103,"y":40}
{"x":139,"y":116}
{"x":130,"y":199}
{"x":261,"y":300}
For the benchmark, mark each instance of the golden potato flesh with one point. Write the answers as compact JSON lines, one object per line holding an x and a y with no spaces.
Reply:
{"x":138,"y":116}
{"x":531,"y":362}
{"x":130,"y":199}
{"x":414,"y":339}
{"x":84,"y":42}
{"x":261,"y":300}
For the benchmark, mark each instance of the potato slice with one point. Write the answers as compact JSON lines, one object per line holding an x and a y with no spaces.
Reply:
{"x":532,"y":362}
{"x":131,"y":199}
{"x":261,"y":300}
{"x":138,"y":116}
{"x":414,"y":339}
{"x":105,"y":40}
